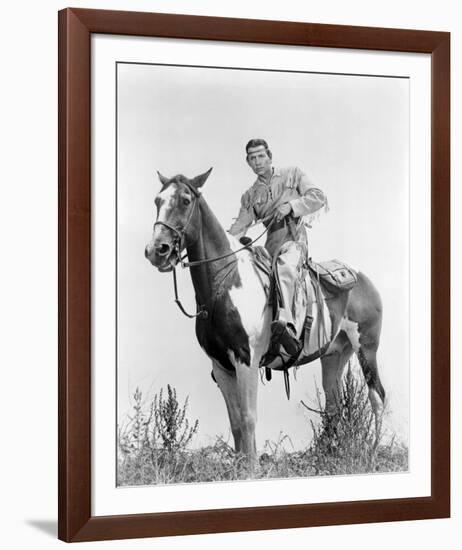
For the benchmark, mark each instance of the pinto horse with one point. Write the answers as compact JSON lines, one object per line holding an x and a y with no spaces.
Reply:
{"x":234,"y":317}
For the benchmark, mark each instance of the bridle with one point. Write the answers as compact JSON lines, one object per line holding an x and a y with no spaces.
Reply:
{"x":180,"y":234}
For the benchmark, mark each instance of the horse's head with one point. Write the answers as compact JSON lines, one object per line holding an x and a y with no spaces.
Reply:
{"x":175,"y":226}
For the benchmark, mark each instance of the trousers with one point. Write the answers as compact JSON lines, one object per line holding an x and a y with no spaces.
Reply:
{"x":289,"y":271}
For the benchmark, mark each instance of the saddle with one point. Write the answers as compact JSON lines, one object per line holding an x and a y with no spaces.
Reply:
{"x":328,"y":280}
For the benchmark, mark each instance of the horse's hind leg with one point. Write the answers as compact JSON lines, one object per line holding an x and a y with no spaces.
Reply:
{"x":367,"y":356}
{"x":363,"y":327}
{"x":333,"y":366}
{"x":227,"y":382}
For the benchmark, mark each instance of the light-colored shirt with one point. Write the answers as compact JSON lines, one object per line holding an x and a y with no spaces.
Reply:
{"x":287,"y":185}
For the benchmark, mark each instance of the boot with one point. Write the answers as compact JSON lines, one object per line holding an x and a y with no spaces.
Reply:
{"x":284,"y":335}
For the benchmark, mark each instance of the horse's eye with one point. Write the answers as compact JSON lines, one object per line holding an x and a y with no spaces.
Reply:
{"x":186,"y":201}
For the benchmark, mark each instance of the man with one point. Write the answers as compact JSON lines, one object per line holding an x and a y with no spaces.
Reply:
{"x":286,"y":196}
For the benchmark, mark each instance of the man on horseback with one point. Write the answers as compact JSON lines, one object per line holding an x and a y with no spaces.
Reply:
{"x":282,"y":198}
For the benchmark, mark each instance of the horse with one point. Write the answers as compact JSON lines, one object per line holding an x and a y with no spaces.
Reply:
{"x":233,"y":314}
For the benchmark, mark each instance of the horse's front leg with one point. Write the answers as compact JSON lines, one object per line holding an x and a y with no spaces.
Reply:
{"x":227,"y":382}
{"x":247,"y":388}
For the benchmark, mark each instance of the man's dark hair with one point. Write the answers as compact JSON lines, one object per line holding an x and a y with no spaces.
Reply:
{"x":257,"y":142}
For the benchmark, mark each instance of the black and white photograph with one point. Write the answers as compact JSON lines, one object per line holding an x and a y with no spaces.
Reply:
{"x":262,"y":274}
{"x":229,"y":239}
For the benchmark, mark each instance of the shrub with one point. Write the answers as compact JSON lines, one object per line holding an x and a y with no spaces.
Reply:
{"x":170,"y":423}
{"x":345,"y":442}
{"x":152,"y":444}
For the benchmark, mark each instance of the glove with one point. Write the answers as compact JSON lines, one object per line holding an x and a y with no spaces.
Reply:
{"x":282,"y":211}
{"x":245,"y":240}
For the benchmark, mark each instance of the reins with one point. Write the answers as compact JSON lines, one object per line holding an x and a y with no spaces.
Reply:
{"x":180,"y":234}
{"x":222,"y":257}
{"x":202,"y":313}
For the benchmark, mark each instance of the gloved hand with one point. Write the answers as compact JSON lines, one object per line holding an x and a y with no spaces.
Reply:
{"x":245,"y":240}
{"x":282,"y":211}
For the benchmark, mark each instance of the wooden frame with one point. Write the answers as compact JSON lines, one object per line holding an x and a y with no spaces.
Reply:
{"x":75,"y":520}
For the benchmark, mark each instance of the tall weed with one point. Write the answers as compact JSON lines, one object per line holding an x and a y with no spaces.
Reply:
{"x":154,"y":443}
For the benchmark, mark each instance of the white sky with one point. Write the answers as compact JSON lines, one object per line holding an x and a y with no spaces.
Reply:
{"x":350,"y":134}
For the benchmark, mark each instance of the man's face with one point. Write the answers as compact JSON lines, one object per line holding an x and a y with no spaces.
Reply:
{"x":258,"y":160}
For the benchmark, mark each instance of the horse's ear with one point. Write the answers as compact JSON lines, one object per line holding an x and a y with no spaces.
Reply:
{"x":163,"y":179}
{"x":199,"y":181}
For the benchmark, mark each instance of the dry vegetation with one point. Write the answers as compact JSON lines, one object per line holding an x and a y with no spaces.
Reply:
{"x":154,"y":444}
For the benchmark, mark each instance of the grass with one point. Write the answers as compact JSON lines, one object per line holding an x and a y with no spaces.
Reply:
{"x":154,"y":444}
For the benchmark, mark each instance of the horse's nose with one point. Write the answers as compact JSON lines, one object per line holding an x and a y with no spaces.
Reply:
{"x":162,"y":249}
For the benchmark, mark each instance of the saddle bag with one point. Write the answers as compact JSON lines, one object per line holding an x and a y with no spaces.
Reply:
{"x":335,"y":275}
